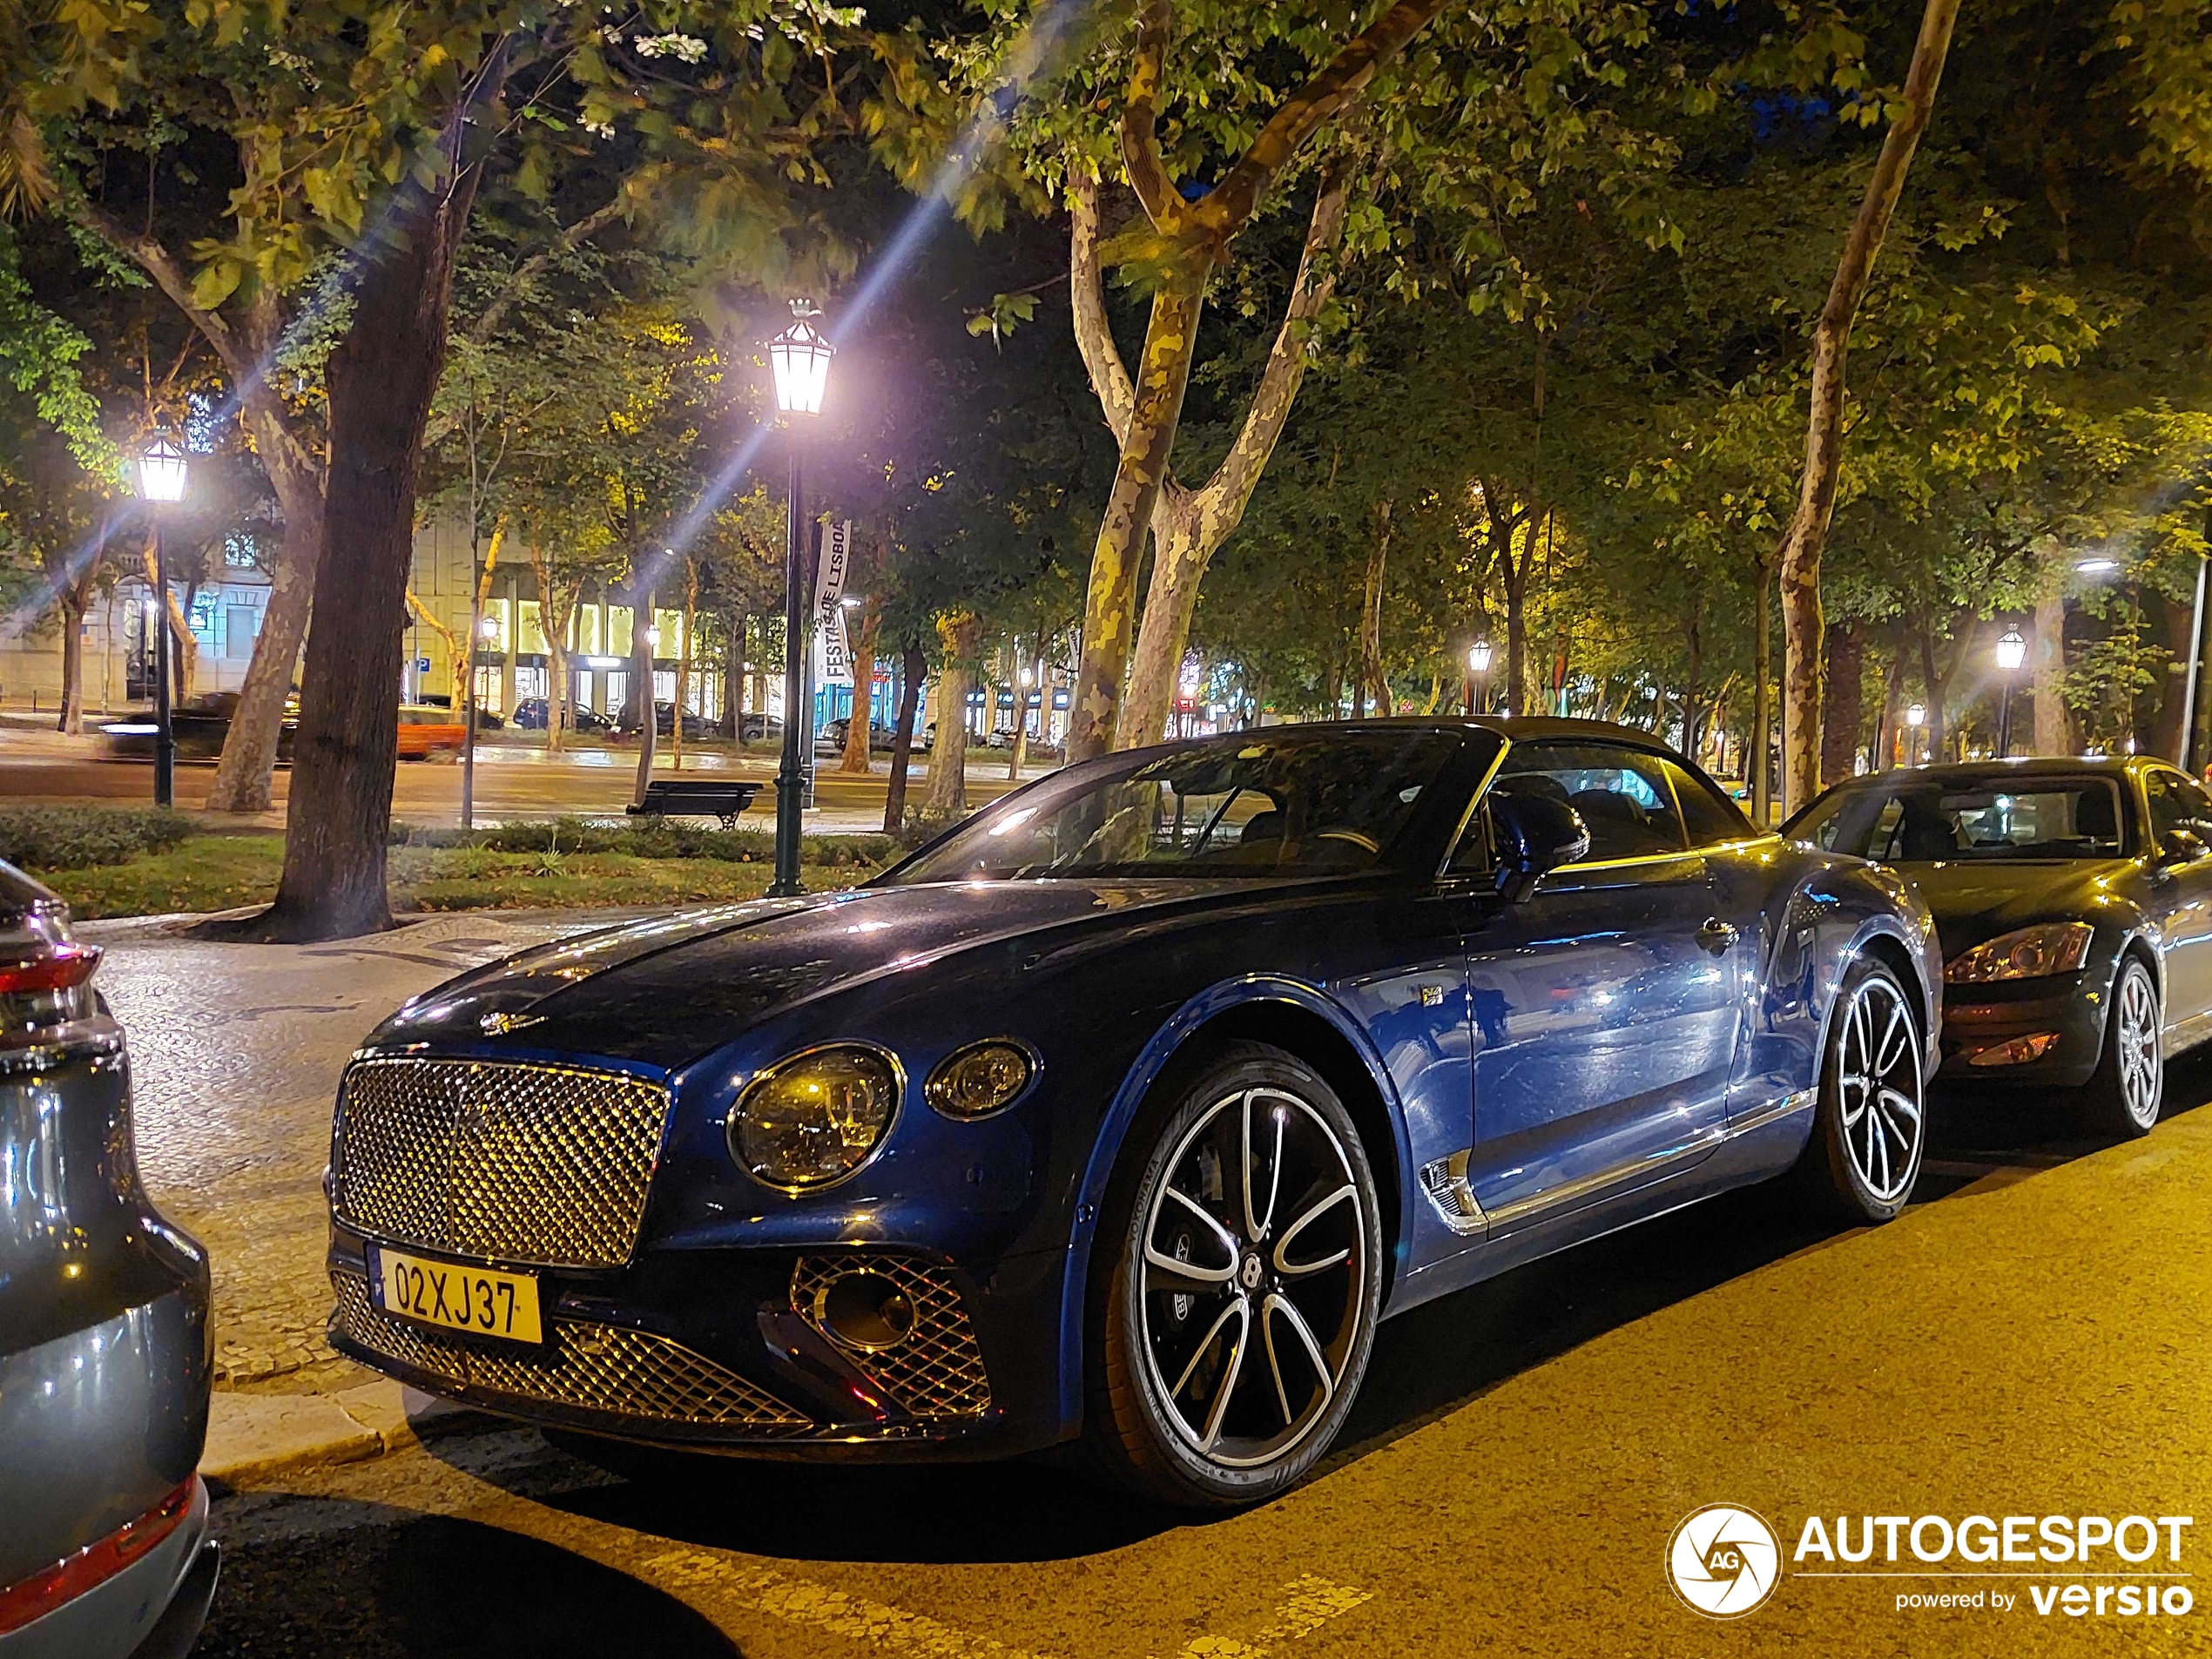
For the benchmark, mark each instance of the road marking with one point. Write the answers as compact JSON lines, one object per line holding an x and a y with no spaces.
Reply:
{"x":797,"y":1600}
{"x":1313,"y":1602}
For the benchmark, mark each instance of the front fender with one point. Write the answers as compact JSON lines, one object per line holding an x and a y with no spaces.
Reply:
{"x":1194,"y":1016}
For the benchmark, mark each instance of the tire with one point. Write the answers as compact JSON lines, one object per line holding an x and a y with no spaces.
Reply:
{"x":1220,"y":1386}
{"x":1870,"y":1126}
{"x":2122,"y":1096}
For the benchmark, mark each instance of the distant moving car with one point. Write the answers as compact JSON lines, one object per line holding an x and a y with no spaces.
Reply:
{"x":2073,"y":897}
{"x":532,"y":713}
{"x":487,"y":720}
{"x":199,"y":725}
{"x":1122,"y":1111}
{"x":104,"y":1349}
{"x":427,"y":731}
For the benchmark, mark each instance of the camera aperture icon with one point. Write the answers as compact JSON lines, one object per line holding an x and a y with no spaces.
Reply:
{"x":1723,"y":1561}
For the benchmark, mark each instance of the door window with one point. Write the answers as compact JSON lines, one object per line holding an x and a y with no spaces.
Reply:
{"x":1708,"y":816}
{"x":2176,"y":803}
{"x":1623,"y":795}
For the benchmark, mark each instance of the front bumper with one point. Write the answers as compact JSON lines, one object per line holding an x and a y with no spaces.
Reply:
{"x":2069,"y":1005}
{"x":727,"y":1350}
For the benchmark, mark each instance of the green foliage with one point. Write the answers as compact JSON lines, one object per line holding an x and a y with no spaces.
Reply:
{"x":80,"y":838}
{"x":648,"y":838}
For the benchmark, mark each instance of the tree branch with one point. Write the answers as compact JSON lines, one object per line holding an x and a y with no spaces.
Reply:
{"x":147,"y":253}
{"x":1148,"y":173}
{"x":1231,"y":201}
{"x":1094,"y":336}
{"x":589,"y":226}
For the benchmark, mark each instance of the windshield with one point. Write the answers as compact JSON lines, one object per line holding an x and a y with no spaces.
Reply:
{"x":1921,"y":821}
{"x":1255,"y":806}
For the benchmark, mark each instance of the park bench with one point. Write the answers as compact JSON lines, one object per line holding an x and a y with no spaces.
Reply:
{"x":696,"y":798}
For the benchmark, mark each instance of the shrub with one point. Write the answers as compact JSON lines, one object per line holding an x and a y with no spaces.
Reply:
{"x":79,"y":838}
{"x":652,"y":837}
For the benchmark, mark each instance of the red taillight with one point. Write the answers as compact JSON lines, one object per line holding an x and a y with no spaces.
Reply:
{"x":54,"y":970}
{"x":66,"y":1579}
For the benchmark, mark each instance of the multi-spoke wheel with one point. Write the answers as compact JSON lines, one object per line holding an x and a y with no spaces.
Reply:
{"x":1238,"y":1318}
{"x":1871,"y":1124}
{"x":2123,"y":1098}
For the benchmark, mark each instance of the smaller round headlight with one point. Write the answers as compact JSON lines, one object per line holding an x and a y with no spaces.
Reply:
{"x":815,"y":1117}
{"x":976,"y":1081}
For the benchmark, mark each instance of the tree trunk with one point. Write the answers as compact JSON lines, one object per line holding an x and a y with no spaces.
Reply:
{"x":1370,"y":598}
{"x":76,"y":598}
{"x":862,"y":720}
{"x":1761,"y":766}
{"x":1886,"y":746}
{"x":2054,"y":721}
{"x":641,"y":674}
{"x":381,"y":376}
{"x":2166,"y":733}
{"x":1164,"y":372}
{"x":733,"y":627}
{"x":946,"y":799}
{"x":1517,"y":642}
{"x":913,"y":667}
{"x":1807,"y":536}
{"x":1842,"y":708}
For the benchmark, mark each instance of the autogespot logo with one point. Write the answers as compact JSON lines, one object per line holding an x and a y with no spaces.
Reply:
{"x":1723,"y":1561}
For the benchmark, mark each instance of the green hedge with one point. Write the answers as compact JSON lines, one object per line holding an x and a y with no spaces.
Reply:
{"x":79,"y":838}
{"x":652,"y":837}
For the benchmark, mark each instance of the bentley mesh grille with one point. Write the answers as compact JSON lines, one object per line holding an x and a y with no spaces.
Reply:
{"x":543,"y":1165}
{"x":596,"y":1367}
{"x":937,"y":1371}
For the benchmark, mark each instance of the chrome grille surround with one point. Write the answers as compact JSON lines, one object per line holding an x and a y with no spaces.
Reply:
{"x":584,"y":1367}
{"x":936,"y":1369}
{"x":510,"y":1161}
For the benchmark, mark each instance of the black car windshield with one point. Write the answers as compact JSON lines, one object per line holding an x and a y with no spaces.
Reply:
{"x":1265,"y":804}
{"x":1915,"y":820}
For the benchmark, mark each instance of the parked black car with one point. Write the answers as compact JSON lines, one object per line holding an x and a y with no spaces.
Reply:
{"x":485,"y":719}
{"x":665,"y":722}
{"x":2070,"y":896}
{"x":761,"y":728}
{"x":833,"y":735}
{"x":532,"y":713}
{"x":105,"y":1353}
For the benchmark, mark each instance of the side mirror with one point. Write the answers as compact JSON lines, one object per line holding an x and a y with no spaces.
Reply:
{"x":2181,"y":847}
{"x":1535,"y":834}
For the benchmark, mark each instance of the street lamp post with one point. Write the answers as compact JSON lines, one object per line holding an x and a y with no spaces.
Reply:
{"x":161,"y":482}
{"x":800,"y":358}
{"x":1478,"y":676}
{"x":482,"y":630}
{"x":2012,"y":651}
{"x":1916,"y":717}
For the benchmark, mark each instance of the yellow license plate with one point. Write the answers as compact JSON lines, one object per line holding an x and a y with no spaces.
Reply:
{"x":479,"y":1299}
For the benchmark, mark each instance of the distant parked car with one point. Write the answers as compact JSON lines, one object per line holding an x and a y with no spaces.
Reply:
{"x":664,"y":722}
{"x":834,"y":735}
{"x":427,"y":731}
{"x":761,"y":728}
{"x":532,"y":713}
{"x":105,"y":1350}
{"x":487,"y":720}
{"x":199,"y":724}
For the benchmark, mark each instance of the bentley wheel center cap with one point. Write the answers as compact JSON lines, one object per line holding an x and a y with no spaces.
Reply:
{"x":1249,"y":1274}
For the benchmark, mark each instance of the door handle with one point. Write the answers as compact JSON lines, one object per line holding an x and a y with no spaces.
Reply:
{"x":1715,"y":935}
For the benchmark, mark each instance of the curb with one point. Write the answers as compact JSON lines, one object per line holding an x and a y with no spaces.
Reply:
{"x":256,"y":1436}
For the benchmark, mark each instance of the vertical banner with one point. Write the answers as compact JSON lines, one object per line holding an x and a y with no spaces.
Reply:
{"x":829,"y":601}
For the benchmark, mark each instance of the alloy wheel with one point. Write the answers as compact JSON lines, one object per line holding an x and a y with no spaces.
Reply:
{"x":1878,"y":1088}
{"x":2136,"y":1045}
{"x":1252,"y":1277}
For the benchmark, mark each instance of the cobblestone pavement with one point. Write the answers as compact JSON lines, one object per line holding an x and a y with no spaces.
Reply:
{"x":235,"y":1053}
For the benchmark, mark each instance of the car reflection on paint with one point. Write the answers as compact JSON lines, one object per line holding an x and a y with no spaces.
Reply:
{"x":1120,"y":1114}
{"x":2073,"y":900}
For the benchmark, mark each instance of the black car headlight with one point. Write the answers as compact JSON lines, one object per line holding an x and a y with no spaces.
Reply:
{"x":978,"y":1079}
{"x":2028,"y":952}
{"x":812,"y":1119}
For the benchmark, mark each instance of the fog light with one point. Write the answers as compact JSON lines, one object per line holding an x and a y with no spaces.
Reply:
{"x":865,"y":1311}
{"x":2017,"y":1051}
{"x":978,"y":1080}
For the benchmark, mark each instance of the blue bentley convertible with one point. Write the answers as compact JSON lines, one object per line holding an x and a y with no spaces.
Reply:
{"x":1123,"y":1111}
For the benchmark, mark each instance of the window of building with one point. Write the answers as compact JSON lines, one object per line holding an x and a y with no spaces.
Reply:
{"x":529,"y":634}
{"x":490,"y":690}
{"x":670,"y":624}
{"x":586,"y":628}
{"x":241,"y":626}
{"x":495,"y":636}
{"x":619,"y":631}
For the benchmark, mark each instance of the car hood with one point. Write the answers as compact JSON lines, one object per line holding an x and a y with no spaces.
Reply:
{"x":1976,"y":900}
{"x":669,"y":987}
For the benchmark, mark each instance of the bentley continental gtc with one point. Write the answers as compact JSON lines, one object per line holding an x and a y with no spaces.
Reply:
{"x":2074,"y":899}
{"x":1118,"y":1115}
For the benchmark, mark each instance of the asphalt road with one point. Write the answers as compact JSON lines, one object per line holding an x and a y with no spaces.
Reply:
{"x":2030,"y":1339}
{"x":512,"y":781}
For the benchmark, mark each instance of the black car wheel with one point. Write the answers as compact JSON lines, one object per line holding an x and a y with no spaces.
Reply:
{"x":1871,"y":1123}
{"x":2123,"y":1098}
{"x":1238,"y":1320}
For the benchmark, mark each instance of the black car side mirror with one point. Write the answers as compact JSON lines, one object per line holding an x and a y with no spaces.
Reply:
{"x":1535,"y":834}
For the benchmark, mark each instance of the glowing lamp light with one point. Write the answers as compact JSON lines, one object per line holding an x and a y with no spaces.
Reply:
{"x":1916,"y":714}
{"x":1479,"y":657}
{"x":800,"y":358}
{"x":2096,"y":567}
{"x":161,"y":471}
{"x":652,"y":638}
{"x":2012,"y":649}
{"x":488,"y":628}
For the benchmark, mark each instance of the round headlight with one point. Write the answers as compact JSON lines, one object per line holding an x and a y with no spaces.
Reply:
{"x":816,"y":1117}
{"x":976,"y":1081}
